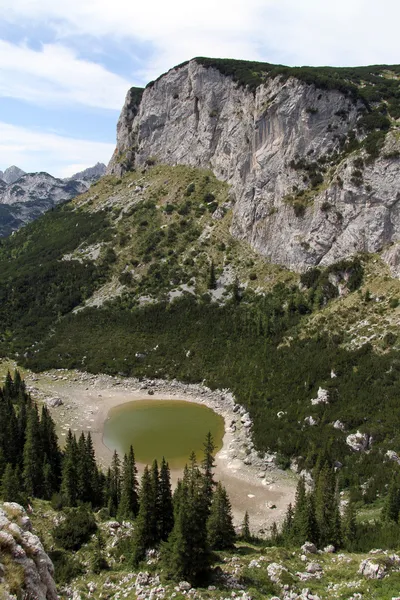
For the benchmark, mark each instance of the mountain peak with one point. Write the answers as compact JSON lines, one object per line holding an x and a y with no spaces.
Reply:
{"x":11,"y":174}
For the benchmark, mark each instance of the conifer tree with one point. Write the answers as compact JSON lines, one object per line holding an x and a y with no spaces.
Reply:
{"x":208,"y":465}
{"x":327,"y":507}
{"x":166,"y":509}
{"x":143,"y":534}
{"x":220,"y":530}
{"x":155,"y":500}
{"x":33,"y":455}
{"x":114,"y":485}
{"x":300,"y":516}
{"x":246,"y":535}
{"x":212,"y":280}
{"x":186,"y":553}
{"x":50,"y":448}
{"x":69,"y":476}
{"x":349,"y":525}
{"x":287,"y":526}
{"x":391,"y":508}
{"x":11,"y":484}
{"x":129,"y":504}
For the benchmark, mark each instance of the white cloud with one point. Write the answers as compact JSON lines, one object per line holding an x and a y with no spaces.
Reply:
{"x":63,"y":156}
{"x":55,"y":75}
{"x":291,"y":31}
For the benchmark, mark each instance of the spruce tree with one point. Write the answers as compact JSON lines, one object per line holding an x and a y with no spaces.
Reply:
{"x":287,"y":526}
{"x":129,"y":504}
{"x":114,"y":485}
{"x":165,"y":505}
{"x":300,"y":516}
{"x":391,"y":507}
{"x":186,"y":553}
{"x":245,"y":534}
{"x":69,"y":475}
{"x":327,"y":507}
{"x":11,"y":484}
{"x":143,"y":534}
{"x":32,"y":456}
{"x":208,"y":465}
{"x":220,"y":530}
{"x":349,"y":526}
{"x":212,"y":280}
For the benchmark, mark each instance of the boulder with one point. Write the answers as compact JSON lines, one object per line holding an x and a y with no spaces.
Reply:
{"x":184,"y":586}
{"x":309,"y":548}
{"x":371,"y":570}
{"x":322,"y":397}
{"x":359,"y":442}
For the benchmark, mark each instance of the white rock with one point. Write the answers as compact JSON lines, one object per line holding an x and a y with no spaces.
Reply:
{"x":309,"y":548}
{"x":359,"y":442}
{"x":322,"y":397}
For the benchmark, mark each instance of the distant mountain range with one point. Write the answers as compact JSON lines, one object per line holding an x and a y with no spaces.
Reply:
{"x":25,"y":196}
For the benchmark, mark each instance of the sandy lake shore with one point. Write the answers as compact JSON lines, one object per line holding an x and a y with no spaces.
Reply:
{"x":253,"y":482}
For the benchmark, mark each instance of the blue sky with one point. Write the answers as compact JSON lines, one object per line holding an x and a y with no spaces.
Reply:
{"x":65,"y":67}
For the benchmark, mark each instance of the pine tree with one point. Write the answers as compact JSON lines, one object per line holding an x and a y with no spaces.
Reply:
{"x":300,"y":516}
{"x":129,"y":504}
{"x":69,"y":476}
{"x":391,"y":508}
{"x":11,"y":484}
{"x":143,"y":534}
{"x":212,"y":280}
{"x":50,"y":448}
{"x":114,"y":485}
{"x":186,"y":554}
{"x":166,"y":509}
{"x":246,"y":535}
{"x":349,"y":525}
{"x":287,"y":526}
{"x":327,"y":507}
{"x":208,"y":465}
{"x":155,"y":500}
{"x":220,"y":530}
{"x":32,"y":456}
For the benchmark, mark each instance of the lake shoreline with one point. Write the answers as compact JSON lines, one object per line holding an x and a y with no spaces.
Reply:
{"x":252,"y":481}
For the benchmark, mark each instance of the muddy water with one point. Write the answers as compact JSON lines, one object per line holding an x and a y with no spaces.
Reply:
{"x":157,"y":428}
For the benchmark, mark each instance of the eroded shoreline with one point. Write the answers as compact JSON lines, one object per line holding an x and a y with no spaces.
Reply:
{"x":253,"y":482}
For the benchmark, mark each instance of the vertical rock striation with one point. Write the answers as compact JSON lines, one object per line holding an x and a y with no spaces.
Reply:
{"x":270,"y":145}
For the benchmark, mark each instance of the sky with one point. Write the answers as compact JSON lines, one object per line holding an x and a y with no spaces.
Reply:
{"x":65,"y":67}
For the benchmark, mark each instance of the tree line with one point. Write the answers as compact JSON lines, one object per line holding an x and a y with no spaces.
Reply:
{"x":187,"y":525}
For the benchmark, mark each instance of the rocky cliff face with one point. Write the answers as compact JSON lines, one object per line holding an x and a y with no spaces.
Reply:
{"x":301,"y":200}
{"x":11,"y":174}
{"x":26,"y":571}
{"x":33,"y":194}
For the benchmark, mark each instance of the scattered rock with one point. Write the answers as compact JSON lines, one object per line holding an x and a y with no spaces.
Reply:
{"x":359,"y":442}
{"x":309,"y":548}
{"x":322,"y":397}
{"x":54,"y":402}
{"x":184,"y":586}
{"x":371,"y":570}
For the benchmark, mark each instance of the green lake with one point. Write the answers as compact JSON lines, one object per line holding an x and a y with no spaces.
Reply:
{"x":157,"y":428}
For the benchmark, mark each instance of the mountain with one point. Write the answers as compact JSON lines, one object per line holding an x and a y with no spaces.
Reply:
{"x":30,"y":196}
{"x":312,"y":154}
{"x":176,"y":264}
{"x":91,"y":174}
{"x":12,"y":174}
{"x":25,"y":196}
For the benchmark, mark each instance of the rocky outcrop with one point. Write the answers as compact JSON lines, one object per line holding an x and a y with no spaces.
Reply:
{"x":11,"y":174}
{"x":89,"y":175}
{"x":33,"y":194}
{"x":27,"y":571}
{"x":265,"y":144}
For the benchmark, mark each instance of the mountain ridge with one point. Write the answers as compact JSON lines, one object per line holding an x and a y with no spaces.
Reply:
{"x":313,"y":167}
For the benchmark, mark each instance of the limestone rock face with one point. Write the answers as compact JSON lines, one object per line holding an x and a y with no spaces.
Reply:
{"x":197,"y":116}
{"x":26,"y":552}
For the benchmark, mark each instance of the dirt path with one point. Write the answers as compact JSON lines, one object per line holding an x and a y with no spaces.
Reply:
{"x":253,"y":482}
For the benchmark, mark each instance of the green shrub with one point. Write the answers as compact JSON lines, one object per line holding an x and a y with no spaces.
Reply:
{"x":76,"y":529}
{"x":66,"y":566}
